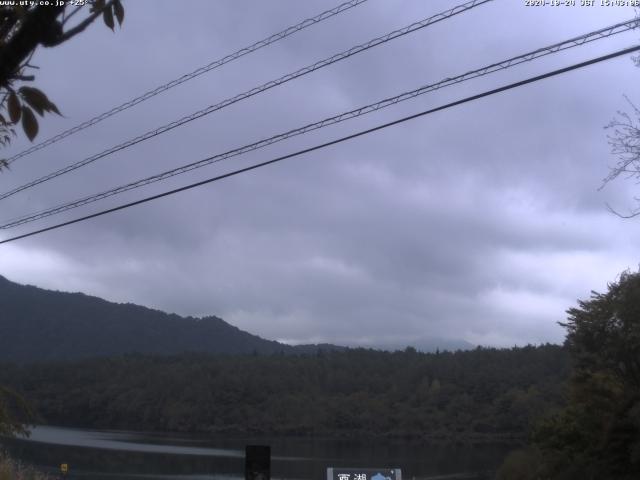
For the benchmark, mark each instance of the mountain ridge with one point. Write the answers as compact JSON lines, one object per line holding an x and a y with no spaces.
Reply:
{"x":39,"y":325}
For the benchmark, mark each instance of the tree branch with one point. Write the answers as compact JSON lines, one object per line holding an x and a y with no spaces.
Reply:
{"x":81,"y":26}
{"x":68,"y":17}
{"x":35,"y":28}
{"x":9,"y":19}
{"x":618,"y":214}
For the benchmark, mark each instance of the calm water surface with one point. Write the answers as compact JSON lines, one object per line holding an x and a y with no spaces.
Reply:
{"x":97,"y":455}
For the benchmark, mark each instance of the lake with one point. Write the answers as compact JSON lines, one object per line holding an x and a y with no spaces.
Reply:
{"x":99,"y":455}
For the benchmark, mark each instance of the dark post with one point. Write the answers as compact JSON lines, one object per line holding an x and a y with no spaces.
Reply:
{"x":257,"y":463}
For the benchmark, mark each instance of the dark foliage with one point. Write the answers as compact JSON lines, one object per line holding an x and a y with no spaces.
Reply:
{"x":597,"y":435}
{"x":483,"y":394}
{"x":24,"y":27}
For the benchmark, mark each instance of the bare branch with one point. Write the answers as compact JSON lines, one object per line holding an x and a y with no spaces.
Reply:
{"x":625,"y":144}
{"x":24,"y":78}
{"x":634,"y":213}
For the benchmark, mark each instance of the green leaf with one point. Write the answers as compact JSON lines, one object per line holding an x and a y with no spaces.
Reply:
{"x":107,"y":16}
{"x":36,"y":99}
{"x":53,"y":108}
{"x":118,"y":9}
{"x":29,"y":123}
{"x":13,"y":104}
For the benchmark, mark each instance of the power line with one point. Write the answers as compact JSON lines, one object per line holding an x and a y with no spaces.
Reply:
{"x":189,"y":76}
{"x":336,"y":141}
{"x":254,"y":91}
{"x":513,"y":61}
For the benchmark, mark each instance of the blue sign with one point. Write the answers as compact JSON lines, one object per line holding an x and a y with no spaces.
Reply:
{"x":336,"y":473}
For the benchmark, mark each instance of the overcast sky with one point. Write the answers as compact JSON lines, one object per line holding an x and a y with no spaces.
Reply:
{"x":481,"y":223}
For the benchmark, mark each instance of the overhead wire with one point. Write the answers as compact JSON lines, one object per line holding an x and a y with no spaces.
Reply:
{"x":254,"y":91}
{"x":333,"y":142}
{"x":502,"y":65}
{"x":189,"y":76}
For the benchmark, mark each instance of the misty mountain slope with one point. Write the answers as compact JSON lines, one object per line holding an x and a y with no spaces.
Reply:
{"x":38,"y":324}
{"x":41,"y":325}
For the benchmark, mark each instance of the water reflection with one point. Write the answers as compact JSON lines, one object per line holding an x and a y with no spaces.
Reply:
{"x":130,"y":455}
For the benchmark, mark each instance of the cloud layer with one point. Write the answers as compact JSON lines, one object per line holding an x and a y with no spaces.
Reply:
{"x":482,"y":222}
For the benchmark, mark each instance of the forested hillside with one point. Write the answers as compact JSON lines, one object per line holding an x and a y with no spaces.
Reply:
{"x":42,"y":325}
{"x":483,"y":394}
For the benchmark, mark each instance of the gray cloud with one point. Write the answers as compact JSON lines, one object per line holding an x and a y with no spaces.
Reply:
{"x":482,"y":222}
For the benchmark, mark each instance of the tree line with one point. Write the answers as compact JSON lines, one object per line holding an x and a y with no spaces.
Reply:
{"x":479,"y":395}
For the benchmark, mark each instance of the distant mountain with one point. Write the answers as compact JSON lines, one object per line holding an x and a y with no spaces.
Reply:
{"x":41,"y":325}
